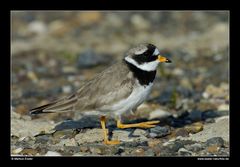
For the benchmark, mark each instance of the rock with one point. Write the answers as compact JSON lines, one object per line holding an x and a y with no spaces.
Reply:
{"x":29,"y":151}
{"x":90,"y":136}
{"x":181,"y":132}
{"x":218,"y":129}
{"x":139,"y":133}
{"x":184,"y":152}
{"x":139,"y":22}
{"x":138,"y":152}
{"x":22,"y":109}
{"x":212,"y":91}
{"x":195,"y":115}
{"x":37,"y":27}
{"x":194,"y":128}
{"x":159,"y":131}
{"x":215,"y":141}
{"x":223,"y":107}
{"x":149,"y":152}
{"x":122,"y":135}
{"x":160,"y":114}
{"x":22,"y":127}
{"x":17,"y":151}
{"x":95,"y":150}
{"x":89,"y":59}
{"x":52,"y":153}
{"x":66,"y":89}
{"x":213,"y":149}
{"x":63,"y":134}
{"x":153,"y":142}
{"x":174,"y":147}
{"x":194,"y":147}
{"x":68,"y":142}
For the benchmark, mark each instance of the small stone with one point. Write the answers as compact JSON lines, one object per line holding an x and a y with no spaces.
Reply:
{"x":223,"y":107}
{"x":153,"y":142}
{"x":69,"y":70}
{"x":95,"y":150}
{"x":195,"y":115}
{"x":194,"y":128}
{"x":194,"y":147}
{"x":149,"y":152}
{"x":213,"y":149}
{"x":122,"y":135}
{"x":139,"y":133}
{"x":184,"y":152}
{"x":175,"y":146}
{"x":37,"y":27}
{"x":160,"y":131}
{"x":29,"y":151}
{"x":66,"y":89}
{"x":61,"y":134}
{"x":138,"y":152}
{"x":84,"y":149}
{"x":158,"y":114}
{"x":17,"y":151}
{"x":22,"y":109}
{"x":215,"y":141}
{"x":68,"y":142}
{"x":90,"y":136}
{"x":52,"y":153}
{"x":181,"y":132}
{"x":31,"y":75}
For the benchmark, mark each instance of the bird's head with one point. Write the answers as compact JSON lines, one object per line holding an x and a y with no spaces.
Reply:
{"x":145,"y":57}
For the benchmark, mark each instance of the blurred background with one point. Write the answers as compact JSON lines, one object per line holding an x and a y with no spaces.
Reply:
{"x":52,"y":53}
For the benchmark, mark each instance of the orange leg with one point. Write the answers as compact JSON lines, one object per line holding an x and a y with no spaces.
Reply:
{"x":149,"y":124}
{"x":105,"y":132}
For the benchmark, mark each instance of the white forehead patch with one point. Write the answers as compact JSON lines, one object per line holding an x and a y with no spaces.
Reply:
{"x":156,"y":52}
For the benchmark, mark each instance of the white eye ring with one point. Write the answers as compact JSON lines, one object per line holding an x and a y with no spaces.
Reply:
{"x":156,"y":52}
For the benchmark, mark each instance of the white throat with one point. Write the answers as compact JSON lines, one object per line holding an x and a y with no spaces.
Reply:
{"x":149,"y":66}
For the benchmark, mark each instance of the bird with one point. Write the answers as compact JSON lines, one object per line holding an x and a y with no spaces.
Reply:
{"x":118,"y":89}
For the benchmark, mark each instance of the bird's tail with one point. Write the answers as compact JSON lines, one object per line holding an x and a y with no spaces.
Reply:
{"x":61,"y":105}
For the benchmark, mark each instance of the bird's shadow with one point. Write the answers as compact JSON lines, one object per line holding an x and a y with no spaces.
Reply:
{"x":93,"y":121}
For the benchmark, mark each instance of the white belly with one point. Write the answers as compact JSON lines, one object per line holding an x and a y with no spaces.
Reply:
{"x":137,"y":97}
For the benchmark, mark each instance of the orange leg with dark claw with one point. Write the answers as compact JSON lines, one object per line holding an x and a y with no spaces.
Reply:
{"x":105,"y":132}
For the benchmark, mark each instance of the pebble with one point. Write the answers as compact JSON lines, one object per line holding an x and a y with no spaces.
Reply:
{"x":181,"y":132}
{"x":194,"y":147}
{"x":159,"y":131}
{"x":217,"y":129}
{"x":90,"y":136}
{"x":22,"y":109}
{"x":138,"y":152}
{"x":184,"y":152}
{"x":52,"y":153}
{"x":66,"y":89}
{"x":37,"y":27}
{"x":68,"y":142}
{"x":17,"y":151}
{"x":215,"y":141}
{"x":149,"y":152}
{"x":223,"y":107}
{"x":158,"y":114}
{"x":213,"y":149}
{"x":195,"y":128}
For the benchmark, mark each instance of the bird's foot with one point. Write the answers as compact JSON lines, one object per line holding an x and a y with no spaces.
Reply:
{"x":111,"y":142}
{"x":148,"y":124}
